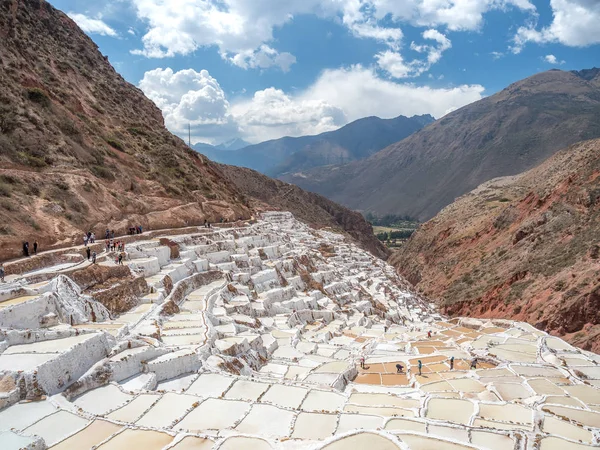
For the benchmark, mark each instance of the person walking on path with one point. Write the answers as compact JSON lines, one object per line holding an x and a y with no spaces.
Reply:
{"x":85,"y":240}
{"x":94,"y":258}
{"x":474,"y":363}
{"x":120,"y":259}
{"x":420,"y":368}
{"x":35,"y":247}
{"x":88,"y":252}
{"x":2,"y":273}
{"x":452,"y":363}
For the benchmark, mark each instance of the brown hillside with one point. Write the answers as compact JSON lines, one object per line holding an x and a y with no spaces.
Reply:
{"x":505,"y":134}
{"x":312,"y":209}
{"x":524,"y":247}
{"x":81,"y":149}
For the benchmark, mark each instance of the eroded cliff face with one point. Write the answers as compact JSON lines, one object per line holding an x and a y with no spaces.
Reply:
{"x":80,"y":148}
{"x":524,"y":247}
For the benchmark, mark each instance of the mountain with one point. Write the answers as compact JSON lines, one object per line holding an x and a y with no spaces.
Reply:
{"x":354,"y":141}
{"x":233,"y":144}
{"x":505,"y":134}
{"x":525,"y":247}
{"x":81,"y":149}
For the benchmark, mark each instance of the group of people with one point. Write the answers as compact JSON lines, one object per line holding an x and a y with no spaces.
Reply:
{"x":135,"y":230}
{"x":26,"y":251}
{"x":89,"y":238}
{"x":400,"y":367}
{"x":90,"y":255}
{"x":110,"y":245}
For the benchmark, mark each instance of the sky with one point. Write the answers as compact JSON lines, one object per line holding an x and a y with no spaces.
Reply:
{"x":264,"y":69}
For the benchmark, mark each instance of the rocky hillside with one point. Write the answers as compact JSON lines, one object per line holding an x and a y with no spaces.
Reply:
{"x":524,"y":247}
{"x":81,"y":149}
{"x":357,"y":140}
{"x":313,"y":209}
{"x":505,"y":134}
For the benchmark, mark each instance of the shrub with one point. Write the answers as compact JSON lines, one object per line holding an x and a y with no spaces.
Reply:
{"x":103,"y":172}
{"x":115,"y":144}
{"x":8,"y":120}
{"x":38,"y":96}
{"x":31,"y":160}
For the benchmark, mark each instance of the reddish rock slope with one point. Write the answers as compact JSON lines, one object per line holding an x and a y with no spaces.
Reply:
{"x":524,"y":247}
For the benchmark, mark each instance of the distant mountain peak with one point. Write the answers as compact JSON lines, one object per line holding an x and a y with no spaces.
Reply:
{"x":587,"y":74}
{"x":232,"y":144}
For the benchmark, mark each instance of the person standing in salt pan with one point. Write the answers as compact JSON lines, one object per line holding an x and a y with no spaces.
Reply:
{"x":399,"y":368}
{"x":420,"y":368}
{"x":452,"y":363}
{"x":474,"y":363}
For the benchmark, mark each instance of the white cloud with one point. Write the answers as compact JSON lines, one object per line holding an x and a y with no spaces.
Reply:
{"x":551,"y":59}
{"x":91,"y":25}
{"x":575,"y":23}
{"x":457,"y":15}
{"x":242,"y":29}
{"x":189,"y":97}
{"x":336,"y":98}
{"x":394,"y":64}
{"x":263,"y":58}
{"x":496,"y":55}
{"x":271,"y":114}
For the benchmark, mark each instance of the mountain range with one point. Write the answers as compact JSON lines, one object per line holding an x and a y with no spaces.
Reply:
{"x":504,"y":134}
{"x":357,"y":140}
{"x":82,"y":149}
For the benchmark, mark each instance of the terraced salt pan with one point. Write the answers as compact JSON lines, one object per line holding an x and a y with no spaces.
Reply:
{"x":314,"y":426}
{"x":352,"y":422}
{"x":52,"y":346}
{"x":554,"y":443}
{"x":169,"y":409}
{"x":24,"y":362}
{"x":23,"y":415}
{"x":91,"y":436}
{"x":426,"y":443}
{"x":362,"y":441}
{"x":17,"y":301}
{"x":214,"y":414}
{"x":266,"y":420}
{"x":246,"y":390}
{"x":134,"y":410}
{"x":102,"y":400}
{"x":553,"y":425}
{"x":193,"y":443}
{"x":588,"y":418}
{"x":457,"y":411}
{"x":285,"y":396}
{"x":210,"y":385}
{"x":244,"y":443}
{"x":323,"y":401}
{"x":57,"y":427}
{"x":142,"y":439}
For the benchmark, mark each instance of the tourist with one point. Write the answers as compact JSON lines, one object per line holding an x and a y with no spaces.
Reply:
{"x":362,"y":362}
{"x":107,"y":234}
{"x":93,"y":238}
{"x":399,"y":368}
{"x":112,"y":234}
{"x":85,"y":240}
{"x":94,"y":258}
{"x":429,"y":334}
{"x":107,"y":245}
{"x":120,"y":259}
{"x":1,"y":273}
{"x":205,"y":223}
{"x":452,"y":363}
{"x":474,"y":363}
{"x":420,"y":368}
{"x":26,"y":249}
{"x":88,"y":252}
{"x":35,"y":247}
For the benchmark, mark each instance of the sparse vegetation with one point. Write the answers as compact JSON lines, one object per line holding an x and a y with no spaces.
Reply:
{"x":115,"y":144}
{"x":38,"y":96}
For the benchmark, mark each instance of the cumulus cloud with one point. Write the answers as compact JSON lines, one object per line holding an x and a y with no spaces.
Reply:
{"x":263,"y":58}
{"x":336,"y":98}
{"x":394,"y":64}
{"x":242,"y":30}
{"x":91,"y":25}
{"x":574,"y":23}
{"x":551,"y":59}
{"x":191,"y":98}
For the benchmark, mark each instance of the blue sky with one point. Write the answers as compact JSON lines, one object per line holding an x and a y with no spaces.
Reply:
{"x":262,"y":69}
